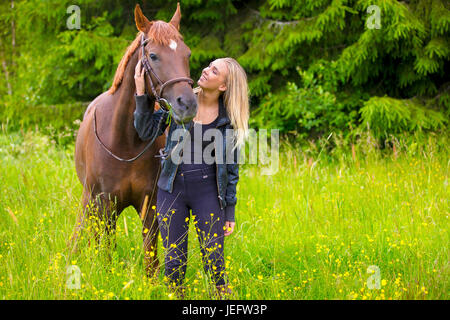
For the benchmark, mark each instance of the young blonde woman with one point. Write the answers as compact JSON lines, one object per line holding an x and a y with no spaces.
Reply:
{"x":208,"y":189}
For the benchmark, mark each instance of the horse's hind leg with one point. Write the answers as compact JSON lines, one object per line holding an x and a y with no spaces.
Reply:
{"x":81,"y":222}
{"x":97,"y":219}
{"x":150,"y":235}
{"x":104,"y":217}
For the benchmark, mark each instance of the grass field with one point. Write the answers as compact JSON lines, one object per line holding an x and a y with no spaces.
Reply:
{"x":311,"y":231}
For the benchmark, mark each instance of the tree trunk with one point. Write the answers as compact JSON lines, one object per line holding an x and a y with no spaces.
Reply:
{"x":5,"y":68}
{"x":13,"y":34}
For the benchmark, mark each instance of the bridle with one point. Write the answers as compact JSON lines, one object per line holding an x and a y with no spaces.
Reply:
{"x":163,"y":103}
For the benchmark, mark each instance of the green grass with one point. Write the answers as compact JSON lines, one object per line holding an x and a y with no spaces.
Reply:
{"x":308,"y":232}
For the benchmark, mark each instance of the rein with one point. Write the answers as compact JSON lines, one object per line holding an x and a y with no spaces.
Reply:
{"x":117,"y":157}
{"x":163,"y":103}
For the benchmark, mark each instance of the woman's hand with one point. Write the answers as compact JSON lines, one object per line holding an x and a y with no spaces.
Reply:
{"x":229,"y":228}
{"x":139,"y":79}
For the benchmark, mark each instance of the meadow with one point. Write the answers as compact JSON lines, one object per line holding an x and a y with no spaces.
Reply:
{"x":311,"y":231}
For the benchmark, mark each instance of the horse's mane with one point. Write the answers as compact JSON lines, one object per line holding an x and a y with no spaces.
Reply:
{"x":160,"y":32}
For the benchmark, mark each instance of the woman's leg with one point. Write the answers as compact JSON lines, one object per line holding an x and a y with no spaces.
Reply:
{"x":202,"y":196}
{"x":172,"y":212}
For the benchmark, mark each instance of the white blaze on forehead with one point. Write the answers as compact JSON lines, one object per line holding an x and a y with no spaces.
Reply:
{"x":173,"y":45}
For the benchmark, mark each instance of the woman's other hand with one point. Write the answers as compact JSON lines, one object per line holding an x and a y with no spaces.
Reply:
{"x":139,"y":79}
{"x":229,"y":228}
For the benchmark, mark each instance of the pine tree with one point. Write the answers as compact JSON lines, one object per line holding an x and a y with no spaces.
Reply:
{"x":314,"y":66}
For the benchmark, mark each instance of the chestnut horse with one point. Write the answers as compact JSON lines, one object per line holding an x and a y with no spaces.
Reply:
{"x":109,"y":184}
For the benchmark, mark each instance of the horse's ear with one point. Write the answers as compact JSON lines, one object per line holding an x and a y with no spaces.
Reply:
{"x":142,"y":23}
{"x":176,"y":18}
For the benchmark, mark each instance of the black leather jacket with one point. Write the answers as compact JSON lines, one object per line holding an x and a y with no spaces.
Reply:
{"x":227,"y":174}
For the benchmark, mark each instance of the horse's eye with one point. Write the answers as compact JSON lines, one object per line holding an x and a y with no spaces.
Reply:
{"x":153,"y":56}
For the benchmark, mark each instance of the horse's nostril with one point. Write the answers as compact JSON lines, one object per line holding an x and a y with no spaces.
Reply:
{"x":181,"y":103}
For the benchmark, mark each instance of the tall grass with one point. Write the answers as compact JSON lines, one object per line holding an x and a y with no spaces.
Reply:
{"x":310,"y":231}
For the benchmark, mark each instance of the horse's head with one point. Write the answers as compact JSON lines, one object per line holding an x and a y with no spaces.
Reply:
{"x":168,"y":60}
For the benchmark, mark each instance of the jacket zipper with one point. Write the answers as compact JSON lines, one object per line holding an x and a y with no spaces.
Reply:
{"x":176,"y":169}
{"x":217,"y":180}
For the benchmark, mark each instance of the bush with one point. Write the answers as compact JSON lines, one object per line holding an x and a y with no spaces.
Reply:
{"x":386,"y":116}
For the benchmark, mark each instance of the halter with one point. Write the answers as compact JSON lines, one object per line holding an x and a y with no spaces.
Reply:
{"x":163,"y":103}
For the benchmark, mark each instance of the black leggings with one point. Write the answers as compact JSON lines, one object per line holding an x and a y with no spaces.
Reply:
{"x":195,"y":190}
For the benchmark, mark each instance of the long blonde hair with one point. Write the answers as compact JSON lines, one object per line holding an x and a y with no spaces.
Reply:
{"x":236,"y":100}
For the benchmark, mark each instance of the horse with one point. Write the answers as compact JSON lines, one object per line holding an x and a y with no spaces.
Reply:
{"x":107,"y":135}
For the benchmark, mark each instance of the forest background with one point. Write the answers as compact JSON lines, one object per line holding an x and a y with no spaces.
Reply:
{"x":314,"y":67}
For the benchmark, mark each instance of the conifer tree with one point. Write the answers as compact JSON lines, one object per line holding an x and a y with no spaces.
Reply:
{"x":314,"y":66}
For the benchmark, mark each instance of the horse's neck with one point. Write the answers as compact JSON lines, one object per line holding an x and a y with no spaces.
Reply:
{"x":122,"y":128}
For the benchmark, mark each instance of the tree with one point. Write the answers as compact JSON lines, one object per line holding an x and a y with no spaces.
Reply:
{"x":314,"y":66}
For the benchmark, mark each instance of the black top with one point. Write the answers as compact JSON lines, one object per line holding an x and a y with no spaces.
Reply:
{"x":198,"y":145}
{"x":145,"y":122}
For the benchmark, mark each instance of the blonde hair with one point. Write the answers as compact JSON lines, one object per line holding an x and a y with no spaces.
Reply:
{"x":236,"y":100}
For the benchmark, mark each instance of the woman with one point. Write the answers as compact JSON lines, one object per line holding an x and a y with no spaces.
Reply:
{"x":209,"y":190}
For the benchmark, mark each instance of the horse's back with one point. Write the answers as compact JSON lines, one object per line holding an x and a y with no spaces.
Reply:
{"x":100,"y":99}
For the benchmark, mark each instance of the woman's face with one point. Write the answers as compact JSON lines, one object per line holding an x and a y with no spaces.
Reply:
{"x":214,"y":76}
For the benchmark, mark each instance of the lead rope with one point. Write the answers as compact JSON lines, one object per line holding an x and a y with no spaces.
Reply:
{"x":117,"y":157}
